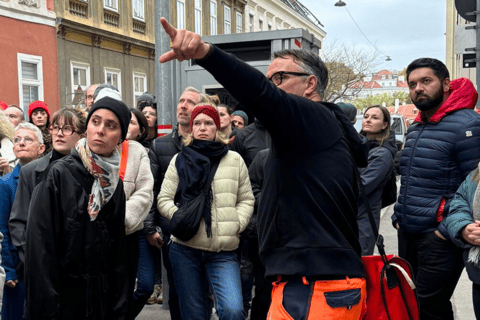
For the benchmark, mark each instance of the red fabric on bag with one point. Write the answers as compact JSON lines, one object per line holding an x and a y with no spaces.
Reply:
{"x":396,"y":307}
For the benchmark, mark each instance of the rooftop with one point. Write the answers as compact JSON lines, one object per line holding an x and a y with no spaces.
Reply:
{"x":303,"y":11}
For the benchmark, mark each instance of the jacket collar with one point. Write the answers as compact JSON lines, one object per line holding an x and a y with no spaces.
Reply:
{"x":16,"y":171}
{"x":177,"y":138}
{"x":462,"y":96}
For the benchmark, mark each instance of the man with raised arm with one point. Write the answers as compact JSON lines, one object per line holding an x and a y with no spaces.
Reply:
{"x":308,"y":233}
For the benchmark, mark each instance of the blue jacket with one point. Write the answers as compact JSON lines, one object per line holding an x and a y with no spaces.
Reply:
{"x":460,"y":216}
{"x":438,"y":156}
{"x":8,"y":189}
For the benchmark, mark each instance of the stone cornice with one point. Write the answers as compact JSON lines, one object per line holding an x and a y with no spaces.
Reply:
{"x":64,"y":26}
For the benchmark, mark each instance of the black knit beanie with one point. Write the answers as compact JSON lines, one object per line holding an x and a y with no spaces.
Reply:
{"x":118,"y":107}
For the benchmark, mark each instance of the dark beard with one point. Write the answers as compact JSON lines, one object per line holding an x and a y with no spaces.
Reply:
{"x":429,"y":103}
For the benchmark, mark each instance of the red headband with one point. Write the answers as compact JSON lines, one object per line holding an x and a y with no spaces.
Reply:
{"x":209,"y":111}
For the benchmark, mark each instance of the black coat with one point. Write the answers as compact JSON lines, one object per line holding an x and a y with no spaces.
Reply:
{"x":29,"y":176}
{"x":75,"y":268}
{"x":164,"y":149}
{"x":249,"y":141}
{"x":307,"y":216}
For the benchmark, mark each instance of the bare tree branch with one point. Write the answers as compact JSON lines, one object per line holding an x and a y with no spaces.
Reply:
{"x":346,"y":65}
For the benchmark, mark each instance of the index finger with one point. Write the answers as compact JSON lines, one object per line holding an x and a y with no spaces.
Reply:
{"x":169,"y":29}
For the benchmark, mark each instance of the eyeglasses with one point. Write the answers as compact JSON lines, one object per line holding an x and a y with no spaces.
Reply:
{"x":277,"y":77}
{"x":146,"y":113}
{"x":66,"y":130}
{"x":27,"y":140}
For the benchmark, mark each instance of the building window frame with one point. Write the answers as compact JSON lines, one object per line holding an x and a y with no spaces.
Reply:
{"x":111,"y":5}
{"x":180,"y":6}
{"x":198,"y":16}
{"x":137,"y":93}
{"x":138,"y":6}
{"x":227,"y":23}
{"x":79,"y":66}
{"x":239,"y":22}
{"x":213,"y":18}
{"x":113,"y":72}
{"x":38,"y":61}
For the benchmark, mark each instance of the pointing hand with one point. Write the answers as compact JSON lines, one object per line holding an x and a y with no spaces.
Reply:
{"x":186,"y":45}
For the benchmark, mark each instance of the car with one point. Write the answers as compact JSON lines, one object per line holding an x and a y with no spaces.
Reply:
{"x":398,"y":124}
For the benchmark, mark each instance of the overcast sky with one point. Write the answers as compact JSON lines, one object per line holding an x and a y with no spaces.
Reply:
{"x":403,"y":29}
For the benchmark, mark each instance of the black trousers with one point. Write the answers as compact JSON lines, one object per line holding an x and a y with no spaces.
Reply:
{"x":437,"y":265}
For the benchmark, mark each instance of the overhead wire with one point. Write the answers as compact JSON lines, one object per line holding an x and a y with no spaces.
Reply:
{"x":364,"y":33}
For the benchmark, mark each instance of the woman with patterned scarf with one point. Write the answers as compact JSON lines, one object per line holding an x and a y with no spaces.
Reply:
{"x":210,"y":254}
{"x":75,"y":264}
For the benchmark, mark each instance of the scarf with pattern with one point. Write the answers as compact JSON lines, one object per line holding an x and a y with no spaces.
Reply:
{"x":105,"y":172}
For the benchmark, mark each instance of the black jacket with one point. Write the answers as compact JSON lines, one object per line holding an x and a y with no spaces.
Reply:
{"x":75,"y":268}
{"x":256,"y":172}
{"x":249,"y":141}
{"x":307,"y":216}
{"x":29,"y":175}
{"x":164,"y":149}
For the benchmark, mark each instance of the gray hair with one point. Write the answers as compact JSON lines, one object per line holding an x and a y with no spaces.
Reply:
{"x":22,"y":115}
{"x":30,"y":126}
{"x":190,"y":88}
{"x":310,"y":63}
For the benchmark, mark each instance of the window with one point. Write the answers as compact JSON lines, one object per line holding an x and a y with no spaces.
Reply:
{"x":269,"y":25}
{"x":80,"y":76}
{"x":138,"y":10}
{"x":114,"y":77}
{"x":139,"y":85}
{"x":213,"y":18}
{"x":198,"y":17}
{"x":111,"y":4}
{"x":260,"y":24}
{"x":239,"y":21}
{"x":180,"y":14}
{"x":227,"y":18}
{"x":30,"y":79}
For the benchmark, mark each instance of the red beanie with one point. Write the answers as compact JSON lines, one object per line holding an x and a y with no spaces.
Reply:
{"x":209,"y":111}
{"x":37,"y":105}
{"x":3,"y":105}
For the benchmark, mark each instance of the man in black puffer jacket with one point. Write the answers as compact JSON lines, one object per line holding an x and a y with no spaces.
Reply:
{"x":165,"y":148}
{"x":442,"y":147}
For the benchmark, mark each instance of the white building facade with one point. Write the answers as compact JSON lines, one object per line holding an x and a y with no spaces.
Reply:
{"x":267,"y":15}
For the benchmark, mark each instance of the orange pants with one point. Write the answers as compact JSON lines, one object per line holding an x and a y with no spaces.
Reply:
{"x":332,"y":299}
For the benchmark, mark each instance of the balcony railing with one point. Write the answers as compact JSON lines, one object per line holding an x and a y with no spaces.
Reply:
{"x":139,"y":26}
{"x":111,"y":18}
{"x":79,"y":8}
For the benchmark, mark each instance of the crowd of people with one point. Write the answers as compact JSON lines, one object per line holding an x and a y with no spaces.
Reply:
{"x":88,"y":196}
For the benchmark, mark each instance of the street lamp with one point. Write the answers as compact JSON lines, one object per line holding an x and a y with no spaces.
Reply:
{"x":340,"y":3}
{"x":388,"y":59}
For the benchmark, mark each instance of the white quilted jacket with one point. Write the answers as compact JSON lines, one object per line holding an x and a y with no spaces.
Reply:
{"x":232,"y":204}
